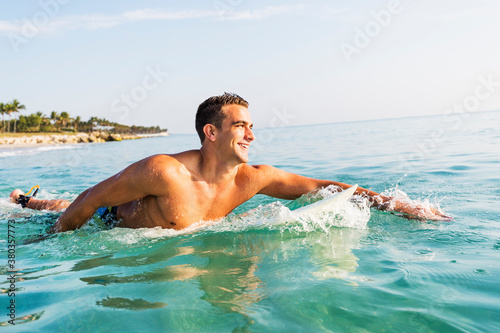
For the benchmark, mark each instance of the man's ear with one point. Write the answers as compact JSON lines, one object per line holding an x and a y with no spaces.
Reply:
{"x":210,"y":131}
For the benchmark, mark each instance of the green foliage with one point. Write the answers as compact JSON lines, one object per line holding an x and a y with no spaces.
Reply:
{"x":29,"y":123}
{"x":63,"y":122}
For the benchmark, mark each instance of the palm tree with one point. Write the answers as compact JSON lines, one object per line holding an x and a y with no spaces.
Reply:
{"x":42,"y":117}
{"x":64,"y":117}
{"x":77,"y":121}
{"x":54,"y":116}
{"x":45,"y":121}
{"x":8,"y":109}
{"x":2,"y":111}
{"x":93,"y":122}
{"x":16,"y":107}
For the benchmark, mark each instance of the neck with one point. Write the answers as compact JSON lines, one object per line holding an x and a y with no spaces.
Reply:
{"x":214,"y":169}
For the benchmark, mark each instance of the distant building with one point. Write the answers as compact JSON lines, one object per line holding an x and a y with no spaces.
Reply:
{"x":101,"y":128}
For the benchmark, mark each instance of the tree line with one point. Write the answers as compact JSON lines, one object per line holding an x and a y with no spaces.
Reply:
{"x":62,"y":122}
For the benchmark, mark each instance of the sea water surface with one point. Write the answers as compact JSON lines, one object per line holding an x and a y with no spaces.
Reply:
{"x":259,"y":270}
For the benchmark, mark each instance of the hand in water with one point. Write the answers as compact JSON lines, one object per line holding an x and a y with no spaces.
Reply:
{"x":14,"y":195}
{"x":419,"y":210}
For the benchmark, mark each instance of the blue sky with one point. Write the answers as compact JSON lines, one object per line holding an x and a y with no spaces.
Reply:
{"x":296,"y":62}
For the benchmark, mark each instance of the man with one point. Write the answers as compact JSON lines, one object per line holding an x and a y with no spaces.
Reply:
{"x":175,"y":191}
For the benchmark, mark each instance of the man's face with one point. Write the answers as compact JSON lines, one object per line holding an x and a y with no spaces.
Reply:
{"x":236,"y":132}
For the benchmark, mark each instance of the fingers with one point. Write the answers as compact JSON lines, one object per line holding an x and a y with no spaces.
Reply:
{"x":439,"y":216}
{"x":446,"y":217}
{"x":432,"y":214}
{"x":442,"y":215}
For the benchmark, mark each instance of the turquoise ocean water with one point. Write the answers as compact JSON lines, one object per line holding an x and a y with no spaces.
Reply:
{"x":353,"y":270}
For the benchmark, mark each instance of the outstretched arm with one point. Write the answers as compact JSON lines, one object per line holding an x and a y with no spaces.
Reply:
{"x":137,"y":181}
{"x":39,"y":204}
{"x":281,"y":184}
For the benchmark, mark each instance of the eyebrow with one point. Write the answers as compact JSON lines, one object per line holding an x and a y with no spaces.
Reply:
{"x":242,"y":122}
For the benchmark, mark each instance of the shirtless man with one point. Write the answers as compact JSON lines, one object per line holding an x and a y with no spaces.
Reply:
{"x":175,"y":191}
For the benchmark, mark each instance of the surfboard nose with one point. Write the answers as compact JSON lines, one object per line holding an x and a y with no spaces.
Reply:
{"x":328,"y":203}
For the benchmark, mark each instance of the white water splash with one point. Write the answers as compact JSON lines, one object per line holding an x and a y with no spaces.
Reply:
{"x":273,"y":216}
{"x":425,"y":204}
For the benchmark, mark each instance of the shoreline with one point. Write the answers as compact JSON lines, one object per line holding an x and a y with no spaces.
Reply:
{"x":44,"y":140}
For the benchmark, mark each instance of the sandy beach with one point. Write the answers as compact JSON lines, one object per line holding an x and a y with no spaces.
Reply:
{"x":40,"y":140}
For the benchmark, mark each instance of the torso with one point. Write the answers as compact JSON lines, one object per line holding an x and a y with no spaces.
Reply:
{"x":189,"y":199}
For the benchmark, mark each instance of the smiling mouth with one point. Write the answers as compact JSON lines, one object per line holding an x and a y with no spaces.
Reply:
{"x":244,"y":146}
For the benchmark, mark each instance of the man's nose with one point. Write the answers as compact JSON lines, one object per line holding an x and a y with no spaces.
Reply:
{"x":249,"y":135}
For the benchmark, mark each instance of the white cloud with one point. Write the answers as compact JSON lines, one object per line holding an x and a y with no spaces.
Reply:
{"x":152,"y":14}
{"x":102,"y":21}
{"x":98,"y":21}
{"x":8,"y":27}
{"x":258,"y":14}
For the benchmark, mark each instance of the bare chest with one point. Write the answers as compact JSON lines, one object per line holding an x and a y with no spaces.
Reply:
{"x":198,"y":202}
{"x":185,"y":205}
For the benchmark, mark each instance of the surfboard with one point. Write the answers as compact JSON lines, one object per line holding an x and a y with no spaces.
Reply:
{"x":327,"y":203}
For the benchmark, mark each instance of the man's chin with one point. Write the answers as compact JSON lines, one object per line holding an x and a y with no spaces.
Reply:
{"x":243,"y":159}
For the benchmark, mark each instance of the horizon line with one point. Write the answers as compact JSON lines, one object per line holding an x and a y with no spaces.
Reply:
{"x":349,"y":121}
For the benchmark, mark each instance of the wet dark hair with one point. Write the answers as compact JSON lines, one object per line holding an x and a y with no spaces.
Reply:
{"x":210,"y":111}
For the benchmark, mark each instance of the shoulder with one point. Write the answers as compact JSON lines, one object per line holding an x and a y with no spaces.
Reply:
{"x":163,"y":165}
{"x":186,"y":157}
{"x":159,"y":161}
{"x":267,"y":174}
{"x":262,"y":169}
{"x":257,"y":172}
